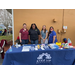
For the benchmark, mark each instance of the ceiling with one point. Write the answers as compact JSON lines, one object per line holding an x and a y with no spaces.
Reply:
{"x":9,"y":10}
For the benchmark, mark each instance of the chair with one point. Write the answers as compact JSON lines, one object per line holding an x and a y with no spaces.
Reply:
{"x":2,"y":43}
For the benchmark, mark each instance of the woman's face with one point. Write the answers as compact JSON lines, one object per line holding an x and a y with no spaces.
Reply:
{"x":44,"y":27}
{"x":51,"y":29}
{"x":24,"y":26}
{"x":33,"y":26}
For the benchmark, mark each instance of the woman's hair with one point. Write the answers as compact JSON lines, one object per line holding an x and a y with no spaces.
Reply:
{"x":45,"y":28}
{"x":24,"y":24}
{"x":32,"y":25}
{"x":50,"y":31}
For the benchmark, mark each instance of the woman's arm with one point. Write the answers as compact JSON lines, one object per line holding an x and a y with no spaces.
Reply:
{"x":46,"y":35}
{"x":29,"y":36}
{"x":39,"y":37}
{"x":54,"y":38}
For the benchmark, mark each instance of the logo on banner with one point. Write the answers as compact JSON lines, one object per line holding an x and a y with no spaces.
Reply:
{"x":43,"y":58}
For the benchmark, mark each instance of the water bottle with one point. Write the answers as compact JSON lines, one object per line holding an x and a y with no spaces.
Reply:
{"x":69,"y":41}
{"x":16,"y":45}
{"x":10,"y":49}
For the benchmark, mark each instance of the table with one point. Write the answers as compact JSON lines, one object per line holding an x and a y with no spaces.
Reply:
{"x":40,"y":57}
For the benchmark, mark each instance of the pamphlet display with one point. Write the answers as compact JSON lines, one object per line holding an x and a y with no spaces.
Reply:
{"x":57,"y":45}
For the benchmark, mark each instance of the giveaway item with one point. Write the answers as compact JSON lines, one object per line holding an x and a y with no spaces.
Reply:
{"x":38,"y":46}
{"x":46,"y":47}
{"x":70,"y":44}
{"x":66,"y":45}
{"x":65,"y":40}
{"x":58,"y":43}
{"x":63,"y":44}
{"x":42,"y":47}
{"x":10,"y":49}
{"x":69,"y":41}
{"x":16,"y":45}
{"x":53,"y":46}
{"x":32,"y":48}
{"x":26,"y":48}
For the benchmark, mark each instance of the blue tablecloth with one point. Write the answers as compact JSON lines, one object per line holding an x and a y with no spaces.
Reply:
{"x":40,"y":57}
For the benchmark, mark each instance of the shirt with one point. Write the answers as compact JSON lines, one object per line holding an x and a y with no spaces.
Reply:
{"x":34,"y":34}
{"x":43,"y":34}
{"x":53,"y":33}
{"x":24,"y":34}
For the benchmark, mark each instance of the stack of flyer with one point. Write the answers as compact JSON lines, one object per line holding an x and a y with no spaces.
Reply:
{"x":53,"y":46}
{"x":26,"y":48}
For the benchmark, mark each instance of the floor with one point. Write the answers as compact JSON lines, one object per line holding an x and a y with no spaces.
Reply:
{"x":1,"y":60}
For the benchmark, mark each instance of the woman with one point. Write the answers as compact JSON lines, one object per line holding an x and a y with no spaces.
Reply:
{"x":52,"y":36}
{"x":44,"y":34}
{"x":23,"y":34}
{"x":5,"y":31}
{"x":34,"y":34}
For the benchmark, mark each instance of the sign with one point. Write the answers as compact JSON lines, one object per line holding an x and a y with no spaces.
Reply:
{"x":43,"y":58}
{"x":64,"y":27}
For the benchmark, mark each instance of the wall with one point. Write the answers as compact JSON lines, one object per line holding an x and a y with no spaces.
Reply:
{"x":44,"y":17}
{"x":69,"y":21}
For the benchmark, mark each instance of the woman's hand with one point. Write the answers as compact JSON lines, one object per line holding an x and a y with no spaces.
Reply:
{"x":54,"y":38}
{"x":43,"y":40}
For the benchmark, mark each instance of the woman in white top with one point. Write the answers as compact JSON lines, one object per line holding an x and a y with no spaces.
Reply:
{"x":44,"y":34}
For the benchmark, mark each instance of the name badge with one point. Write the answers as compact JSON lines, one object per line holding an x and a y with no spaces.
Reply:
{"x":23,"y":30}
{"x":36,"y":30}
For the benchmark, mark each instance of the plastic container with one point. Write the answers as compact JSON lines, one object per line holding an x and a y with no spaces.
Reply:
{"x":63,"y":44}
{"x":32,"y":48}
{"x":16,"y":45}
{"x":70,"y":44}
{"x":10,"y":49}
{"x":69,"y":41}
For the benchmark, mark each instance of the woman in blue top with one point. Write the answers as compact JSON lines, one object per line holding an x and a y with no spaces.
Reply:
{"x":44,"y":34}
{"x":52,"y":36}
